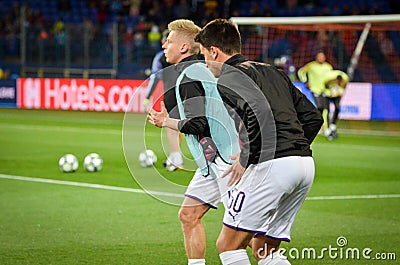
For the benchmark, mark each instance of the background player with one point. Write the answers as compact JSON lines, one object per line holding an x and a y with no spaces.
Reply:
{"x":174,"y":160}
{"x":312,"y":74}
{"x":159,"y":62}
{"x":335,"y":82}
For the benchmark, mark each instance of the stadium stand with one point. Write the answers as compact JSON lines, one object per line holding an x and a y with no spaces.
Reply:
{"x":136,"y":18}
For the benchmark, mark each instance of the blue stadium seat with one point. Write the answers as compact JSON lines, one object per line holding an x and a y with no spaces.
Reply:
{"x":52,"y":4}
{"x":76,"y":19}
{"x":67,"y":18}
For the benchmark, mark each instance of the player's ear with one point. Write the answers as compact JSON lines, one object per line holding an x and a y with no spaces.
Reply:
{"x":214,"y":52}
{"x":185,"y":48}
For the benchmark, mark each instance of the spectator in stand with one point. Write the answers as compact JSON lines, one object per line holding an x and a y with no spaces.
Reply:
{"x":128,"y":41}
{"x":291,"y":5}
{"x":310,"y":4}
{"x":182,"y":10}
{"x":167,"y":9}
{"x":59,"y":40}
{"x":36,"y":16}
{"x":4,"y":74}
{"x":133,"y":19}
{"x":58,"y":26}
{"x":154,"y":37}
{"x":394,"y":6}
{"x":145,"y":7}
{"x":211,"y":5}
{"x":64,"y":7}
{"x":155,"y":15}
{"x":125,"y":7}
{"x":115,"y":7}
{"x":335,"y":11}
{"x":103,"y":11}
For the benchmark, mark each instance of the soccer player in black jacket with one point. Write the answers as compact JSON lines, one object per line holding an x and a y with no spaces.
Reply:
{"x":274,"y":171}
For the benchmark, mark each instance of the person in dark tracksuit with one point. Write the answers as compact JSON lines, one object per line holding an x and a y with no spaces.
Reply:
{"x":274,"y":171}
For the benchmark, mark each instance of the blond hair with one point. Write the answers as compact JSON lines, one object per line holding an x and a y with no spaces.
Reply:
{"x":187,"y":32}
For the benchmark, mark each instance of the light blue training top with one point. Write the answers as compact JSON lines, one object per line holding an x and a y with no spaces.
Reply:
{"x":222,"y":126}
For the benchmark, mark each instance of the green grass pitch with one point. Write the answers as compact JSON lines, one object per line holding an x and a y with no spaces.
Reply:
{"x":356,"y":195}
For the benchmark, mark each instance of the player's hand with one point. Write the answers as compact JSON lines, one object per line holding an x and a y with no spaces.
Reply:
{"x":158,"y":118}
{"x":236,"y":171}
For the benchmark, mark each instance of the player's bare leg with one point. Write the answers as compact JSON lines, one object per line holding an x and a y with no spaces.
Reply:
{"x":250,"y":244}
{"x":231,"y":246}
{"x":271,"y":246}
{"x":190,"y":215}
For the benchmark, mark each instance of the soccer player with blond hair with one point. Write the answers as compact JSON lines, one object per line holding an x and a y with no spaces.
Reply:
{"x":189,"y":96}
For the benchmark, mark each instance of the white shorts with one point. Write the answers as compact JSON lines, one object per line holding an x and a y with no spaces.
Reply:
{"x":269,"y":196}
{"x":210,"y":192}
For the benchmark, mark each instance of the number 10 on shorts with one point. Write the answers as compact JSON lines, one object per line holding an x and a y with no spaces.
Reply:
{"x":235,"y":202}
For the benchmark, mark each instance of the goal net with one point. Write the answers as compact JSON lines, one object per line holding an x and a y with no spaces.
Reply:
{"x":366,"y":47}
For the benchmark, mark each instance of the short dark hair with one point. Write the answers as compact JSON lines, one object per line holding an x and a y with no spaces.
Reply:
{"x":220,"y":33}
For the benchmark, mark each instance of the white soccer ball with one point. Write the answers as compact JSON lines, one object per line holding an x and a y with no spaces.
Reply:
{"x":93,"y":162}
{"x":68,"y":163}
{"x":147,"y":158}
{"x":337,"y":91}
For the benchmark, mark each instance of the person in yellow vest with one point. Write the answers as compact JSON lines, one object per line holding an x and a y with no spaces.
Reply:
{"x":312,"y":74}
{"x":335,"y":84}
{"x":154,"y":36}
{"x":4,"y":73}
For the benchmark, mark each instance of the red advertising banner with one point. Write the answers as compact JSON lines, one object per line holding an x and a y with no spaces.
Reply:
{"x":83,"y":94}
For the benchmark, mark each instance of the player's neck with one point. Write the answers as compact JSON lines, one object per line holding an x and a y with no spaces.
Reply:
{"x":225,"y":57}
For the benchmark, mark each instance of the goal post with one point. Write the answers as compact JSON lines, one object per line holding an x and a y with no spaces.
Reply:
{"x":315,"y":19}
{"x":359,"y":47}
{"x":365,"y":46}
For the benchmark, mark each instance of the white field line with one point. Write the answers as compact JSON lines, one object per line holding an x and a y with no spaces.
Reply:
{"x":61,"y":129}
{"x":357,"y":147}
{"x":369,"y":132}
{"x":66,"y":129}
{"x":105,"y":187}
{"x":353,"y":197}
{"x":88,"y":185}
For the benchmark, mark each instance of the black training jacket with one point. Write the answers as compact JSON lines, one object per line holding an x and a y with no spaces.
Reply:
{"x":297,"y":121}
{"x":193,"y":98}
